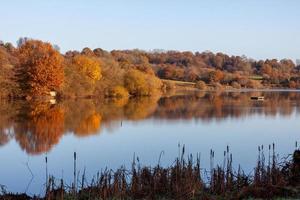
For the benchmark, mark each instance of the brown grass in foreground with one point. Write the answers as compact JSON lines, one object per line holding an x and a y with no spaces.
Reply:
{"x":185,"y":179}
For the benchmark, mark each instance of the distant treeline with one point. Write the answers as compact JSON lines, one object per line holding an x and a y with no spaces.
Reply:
{"x":34,"y":68}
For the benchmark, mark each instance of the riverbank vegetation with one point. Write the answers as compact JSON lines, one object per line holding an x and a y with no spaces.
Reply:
{"x":34,"y":68}
{"x":271,"y":178}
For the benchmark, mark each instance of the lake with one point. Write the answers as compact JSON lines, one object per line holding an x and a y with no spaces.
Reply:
{"x":109,"y":133}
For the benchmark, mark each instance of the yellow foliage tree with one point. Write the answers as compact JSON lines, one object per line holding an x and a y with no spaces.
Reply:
{"x":88,"y":65}
{"x":141,"y":84}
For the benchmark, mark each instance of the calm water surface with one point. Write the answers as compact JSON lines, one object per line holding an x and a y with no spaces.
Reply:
{"x":108,"y":134}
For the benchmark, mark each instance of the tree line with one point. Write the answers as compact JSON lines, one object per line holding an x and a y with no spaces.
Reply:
{"x":34,"y":68}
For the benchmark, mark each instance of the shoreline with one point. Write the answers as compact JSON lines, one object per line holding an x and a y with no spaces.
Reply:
{"x":174,"y":92}
{"x":184,"y":179}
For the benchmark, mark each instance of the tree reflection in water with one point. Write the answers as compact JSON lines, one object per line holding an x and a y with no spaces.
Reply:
{"x":38,"y":126}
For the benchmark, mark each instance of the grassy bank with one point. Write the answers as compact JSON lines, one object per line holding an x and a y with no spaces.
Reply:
{"x":178,"y":87}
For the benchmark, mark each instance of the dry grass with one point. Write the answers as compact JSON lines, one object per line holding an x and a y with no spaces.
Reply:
{"x":180,"y":83}
{"x":185,"y":179}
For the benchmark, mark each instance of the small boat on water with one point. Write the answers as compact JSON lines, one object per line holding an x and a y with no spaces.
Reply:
{"x":258,"y":98}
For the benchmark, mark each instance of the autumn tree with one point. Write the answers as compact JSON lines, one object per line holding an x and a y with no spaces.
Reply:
{"x":140,"y":84}
{"x":22,"y":40}
{"x":40,"y":68}
{"x":35,"y":68}
{"x":7,"y":83}
{"x":267,"y":69}
{"x":216,"y":76}
{"x":81,"y":74}
{"x":136,"y":83}
{"x":89,"y":66}
{"x":87,"y":51}
{"x":112,"y":76}
{"x":218,"y":61}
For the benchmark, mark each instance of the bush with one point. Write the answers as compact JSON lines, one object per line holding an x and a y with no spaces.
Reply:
{"x":217,"y":86}
{"x":118,"y":92}
{"x":141,"y":84}
{"x":236,"y":85}
{"x":292,"y":84}
{"x":216,"y":76}
{"x":201,"y":85}
{"x":168,"y":85}
{"x":254,"y":84}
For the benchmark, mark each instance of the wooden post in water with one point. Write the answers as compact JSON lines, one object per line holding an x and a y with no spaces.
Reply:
{"x":46,"y":160}
{"x":75,"y":188}
{"x":61,"y":189}
{"x":212,"y":169}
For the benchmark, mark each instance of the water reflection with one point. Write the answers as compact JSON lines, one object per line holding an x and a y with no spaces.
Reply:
{"x":214,"y":106}
{"x":38,"y":127}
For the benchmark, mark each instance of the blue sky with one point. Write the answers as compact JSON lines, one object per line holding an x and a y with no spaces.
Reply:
{"x":257,"y":28}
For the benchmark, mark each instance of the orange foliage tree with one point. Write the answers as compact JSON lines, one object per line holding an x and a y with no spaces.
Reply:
{"x":216,"y":76}
{"x":40,"y":68}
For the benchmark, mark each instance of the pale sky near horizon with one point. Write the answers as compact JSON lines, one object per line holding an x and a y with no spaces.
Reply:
{"x":259,"y":29}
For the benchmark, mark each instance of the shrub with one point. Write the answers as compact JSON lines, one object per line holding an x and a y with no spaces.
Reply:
{"x":217,"y":86}
{"x":243,"y":81}
{"x":254,"y":84}
{"x":201,"y":85}
{"x":141,"y":84}
{"x":118,"y":92}
{"x":215,"y":76}
{"x":168,"y":85}
{"x":235,"y":85}
{"x":292,"y":84}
